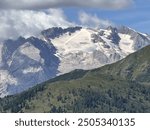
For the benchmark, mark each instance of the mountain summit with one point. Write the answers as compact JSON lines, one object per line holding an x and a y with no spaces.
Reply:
{"x":27,"y":62}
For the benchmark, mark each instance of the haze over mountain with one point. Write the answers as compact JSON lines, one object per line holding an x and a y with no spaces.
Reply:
{"x":25,"y":63}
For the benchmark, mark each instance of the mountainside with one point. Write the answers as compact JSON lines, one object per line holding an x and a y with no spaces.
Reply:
{"x":27,"y":62}
{"x":135,"y":67}
{"x":123,"y":86}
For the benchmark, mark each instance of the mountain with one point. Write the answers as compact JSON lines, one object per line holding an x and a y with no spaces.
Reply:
{"x":123,"y":86}
{"x":26,"y":62}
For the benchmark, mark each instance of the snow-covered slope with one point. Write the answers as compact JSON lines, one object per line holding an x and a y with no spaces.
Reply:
{"x":85,"y":49}
{"x":27,"y":62}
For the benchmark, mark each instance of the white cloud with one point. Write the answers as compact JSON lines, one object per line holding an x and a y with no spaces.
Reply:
{"x":44,"y":4}
{"x":26,"y":23}
{"x":22,"y":17}
{"x":93,"y":21}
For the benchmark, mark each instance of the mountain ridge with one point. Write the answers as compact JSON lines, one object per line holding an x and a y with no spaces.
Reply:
{"x":26,"y":62}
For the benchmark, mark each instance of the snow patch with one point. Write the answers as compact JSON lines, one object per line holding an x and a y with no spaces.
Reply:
{"x":30,"y":51}
{"x":126,"y":43}
{"x":6,"y":80}
{"x":6,"y":77}
{"x":32,"y":70}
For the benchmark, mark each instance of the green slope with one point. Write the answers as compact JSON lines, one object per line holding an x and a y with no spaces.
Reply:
{"x":119,"y":87}
{"x":135,"y":67}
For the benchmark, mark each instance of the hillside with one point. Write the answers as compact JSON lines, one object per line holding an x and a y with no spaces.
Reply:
{"x":135,"y":67}
{"x":119,"y":87}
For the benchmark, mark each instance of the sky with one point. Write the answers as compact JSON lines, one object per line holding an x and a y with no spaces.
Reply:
{"x":28,"y":18}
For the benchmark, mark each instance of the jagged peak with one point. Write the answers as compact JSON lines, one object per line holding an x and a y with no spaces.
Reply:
{"x":58,"y":31}
{"x":112,"y":29}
